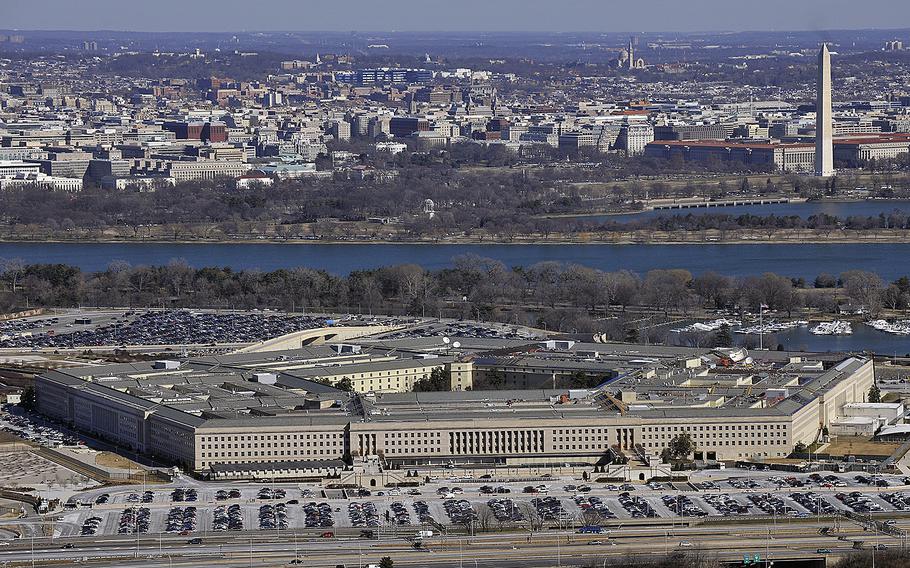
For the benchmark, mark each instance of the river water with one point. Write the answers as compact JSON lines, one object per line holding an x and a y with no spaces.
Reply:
{"x":889,"y":260}
{"x":864,"y":338}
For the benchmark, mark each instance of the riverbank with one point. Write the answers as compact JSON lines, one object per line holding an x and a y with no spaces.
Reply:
{"x":637,"y":238}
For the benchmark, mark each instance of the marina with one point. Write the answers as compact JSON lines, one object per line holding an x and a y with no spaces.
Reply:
{"x":901,"y":327}
{"x":770,"y":327}
{"x":833,"y":328}
{"x":707,"y":326}
{"x":797,"y":335}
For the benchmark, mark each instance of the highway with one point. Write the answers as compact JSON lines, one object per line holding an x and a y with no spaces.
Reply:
{"x":725,"y":537}
{"x":554,"y":548}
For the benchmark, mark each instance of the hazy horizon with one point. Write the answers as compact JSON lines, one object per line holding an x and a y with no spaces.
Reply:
{"x":578,"y":16}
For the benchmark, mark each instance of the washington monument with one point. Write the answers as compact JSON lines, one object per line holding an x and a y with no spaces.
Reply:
{"x":824,"y":144}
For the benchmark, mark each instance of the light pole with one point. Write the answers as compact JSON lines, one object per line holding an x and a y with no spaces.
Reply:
{"x":874,"y":545}
{"x":768,"y":550}
{"x":558,"y":555}
{"x":136,"y":524}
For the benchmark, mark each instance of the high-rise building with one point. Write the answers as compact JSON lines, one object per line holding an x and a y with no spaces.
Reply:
{"x":824,"y":125}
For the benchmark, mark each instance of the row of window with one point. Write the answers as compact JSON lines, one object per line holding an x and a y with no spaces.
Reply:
{"x":581,"y":446}
{"x":715,"y":428}
{"x":257,"y":454}
{"x":267,"y":445}
{"x":269,"y":437}
{"x":719,"y":443}
{"x":390,"y":435}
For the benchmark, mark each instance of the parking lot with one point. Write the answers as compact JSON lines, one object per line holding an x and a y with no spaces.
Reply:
{"x":463,"y":329}
{"x":469,"y":505}
{"x":26,"y":469}
{"x":35,"y":429}
{"x":161,"y":327}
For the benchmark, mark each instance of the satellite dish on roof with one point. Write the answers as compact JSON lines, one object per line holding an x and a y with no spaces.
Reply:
{"x":456,"y":345}
{"x":446,"y":340}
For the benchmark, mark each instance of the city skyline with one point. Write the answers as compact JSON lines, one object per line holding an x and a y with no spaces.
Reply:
{"x":301,"y":268}
{"x":402,"y":15}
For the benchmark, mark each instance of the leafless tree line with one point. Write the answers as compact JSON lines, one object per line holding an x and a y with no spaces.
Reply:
{"x":558,"y":296}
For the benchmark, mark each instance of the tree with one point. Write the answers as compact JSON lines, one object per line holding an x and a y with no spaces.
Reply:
{"x":681,"y":446}
{"x":12,"y":270}
{"x":531,"y":516}
{"x":864,"y":288}
{"x":386,"y":562}
{"x":345,"y":384}
{"x":438,"y":380}
{"x":666,"y":289}
{"x":27,"y":401}
{"x":723,"y":338}
{"x":893,"y":298}
{"x":772,"y":290}
{"x":582,"y":380}
{"x":485,"y":518}
{"x":875,"y":395}
{"x":825,"y":281}
{"x":712,"y":288}
{"x":495,"y":380}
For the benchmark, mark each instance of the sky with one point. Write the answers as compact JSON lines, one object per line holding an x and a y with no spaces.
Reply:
{"x":453,"y":15}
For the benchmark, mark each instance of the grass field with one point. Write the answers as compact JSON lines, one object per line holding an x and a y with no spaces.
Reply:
{"x":859,"y":446}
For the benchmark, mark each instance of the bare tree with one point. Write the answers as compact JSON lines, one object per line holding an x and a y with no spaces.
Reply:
{"x":12,"y":269}
{"x":485,"y":518}
{"x":864,"y":288}
{"x":532,"y":517}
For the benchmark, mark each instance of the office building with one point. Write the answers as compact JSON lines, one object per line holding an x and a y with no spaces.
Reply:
{"x":242,"y":411}
{"x":11,"y":168}
{"x":203,"y":131}
{"x":694,"y":132}
{"x":855,"y":151}
{"x":406,"y":126}
{"x":774,"y":155}
{"x":186,"y":170}
{"x":62,"y":163}
{"x":41,"y":180}
{"x":634,"y":138}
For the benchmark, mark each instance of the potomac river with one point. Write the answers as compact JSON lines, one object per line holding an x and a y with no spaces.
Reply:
{"x":889,"y":260}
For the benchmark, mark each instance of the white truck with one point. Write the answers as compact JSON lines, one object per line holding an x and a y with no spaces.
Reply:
{"x":423,"y":534}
